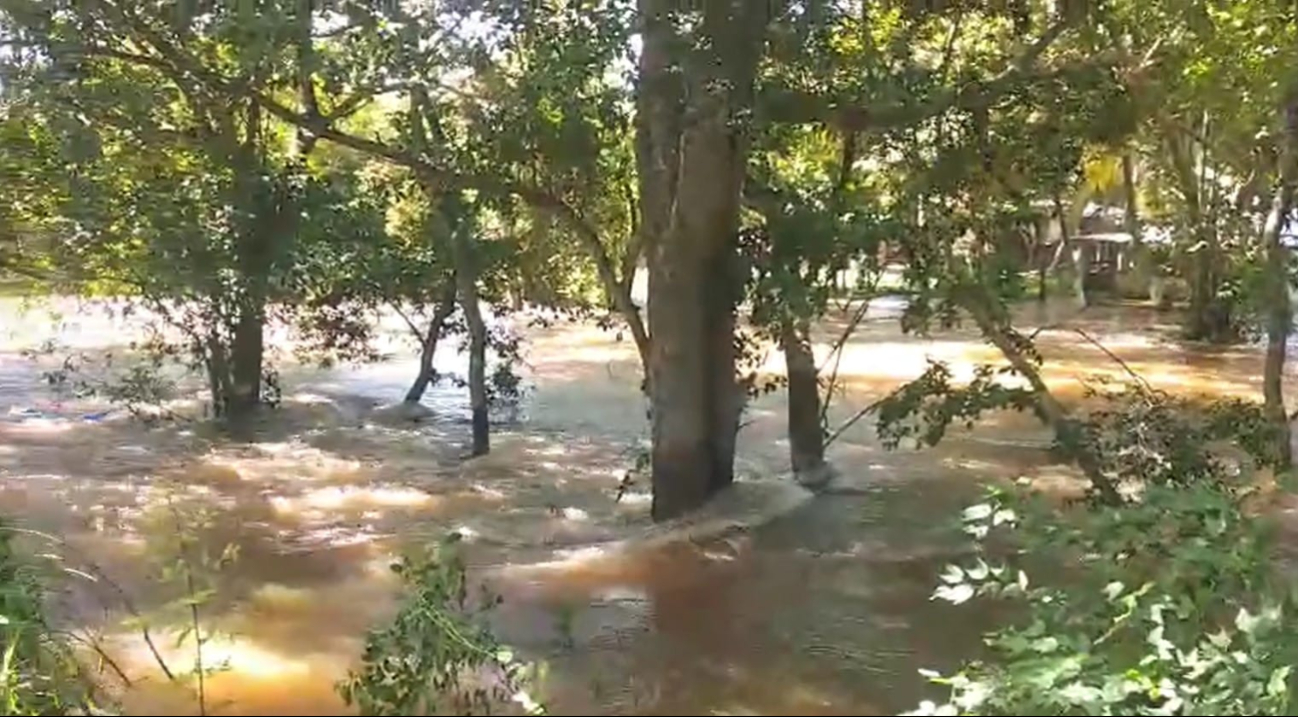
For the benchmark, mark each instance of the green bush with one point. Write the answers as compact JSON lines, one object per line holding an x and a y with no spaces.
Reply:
{"x":437,"y":655}
{"x":1167,"y":605}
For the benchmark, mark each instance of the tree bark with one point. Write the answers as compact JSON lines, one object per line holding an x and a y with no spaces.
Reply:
{"x":691,"y":154}
{"x":1140,"y":265}
{"x":1279,"y":315}
{"x":806,"y":439}
{"x":428,"y":343}
{"x":262,"y":216}
{"x":477,"y":367}
{"x":246,"y":353}
{"x":1076,"y":253}
{"x":1068,"y":432}
{"x":466,"y":279}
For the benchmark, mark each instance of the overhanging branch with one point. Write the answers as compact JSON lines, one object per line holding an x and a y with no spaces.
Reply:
{"x":793,"y":107}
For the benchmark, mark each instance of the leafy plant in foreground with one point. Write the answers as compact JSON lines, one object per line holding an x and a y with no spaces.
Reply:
{"x":39,"y":672}
{"x":1170,"y":606}
{"x":436,"y":655}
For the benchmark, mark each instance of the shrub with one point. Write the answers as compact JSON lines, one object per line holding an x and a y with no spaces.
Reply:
{"x":437,"y":655}
{"x":1170,"y":603}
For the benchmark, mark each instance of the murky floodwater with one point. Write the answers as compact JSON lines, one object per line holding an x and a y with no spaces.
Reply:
{"x":823,"y":610}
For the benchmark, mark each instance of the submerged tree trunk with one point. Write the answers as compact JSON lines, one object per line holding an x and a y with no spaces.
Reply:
{"x":695,"y":400}
{"x":691,"y":154}
{"x":477,"y":367}
{"x":466,"y":281}
{"x":246,"y":354}
{"x":428,"y":343}
{"x":806,"y":439}
{"x":1279,"y":314}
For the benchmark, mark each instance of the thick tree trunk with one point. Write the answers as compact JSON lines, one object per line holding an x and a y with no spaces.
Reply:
{"x":806,"y":439}
{"x":695,"y":399}
{"x":248,"y":344}
{"x":246,"y":353}
{"x":691,"y":155}
{"x":681,"y":365}
{"x":428,"y":343}
{"x":1279,"y":318}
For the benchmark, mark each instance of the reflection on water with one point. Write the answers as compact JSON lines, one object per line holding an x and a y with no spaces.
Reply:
{"x":825,"y":610}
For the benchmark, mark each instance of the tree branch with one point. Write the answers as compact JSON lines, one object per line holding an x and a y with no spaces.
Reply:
{"x":802,"y":108}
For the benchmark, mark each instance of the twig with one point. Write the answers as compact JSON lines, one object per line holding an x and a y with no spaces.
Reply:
{"x":100,"y":575}
{"x":1125,"y":367}
{"x":99,"y":651}
{"x":195,"y":623}
{"x":837,"y":353}
{"x":852,"y":421}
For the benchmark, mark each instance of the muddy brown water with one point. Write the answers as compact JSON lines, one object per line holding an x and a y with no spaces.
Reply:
{"x":823,"y":610}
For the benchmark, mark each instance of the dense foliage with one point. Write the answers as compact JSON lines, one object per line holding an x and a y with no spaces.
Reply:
{"x":235,"y":168}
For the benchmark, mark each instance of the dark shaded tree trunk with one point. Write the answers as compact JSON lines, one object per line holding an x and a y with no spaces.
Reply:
{"x":806,"y":439}
{"x":477,"y":367}
{"x":262,"y":220}
{"x":691,"y":155}
{"x":247,"y":351}
{"x":1279,"y":313}
{"x":428,"y":343}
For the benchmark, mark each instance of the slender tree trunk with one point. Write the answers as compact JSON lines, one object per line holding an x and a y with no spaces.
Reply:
{"x":1068,"y":432}
{"x":218,"y":374}
{"x":1131,"y":218}
{"x":466,"y":280}
{"x":1076,"y":253}
{"x":1279,"y":319}
{"x":428,"y":344}
{"x":806,"y":439}
{"x":477,"y":368}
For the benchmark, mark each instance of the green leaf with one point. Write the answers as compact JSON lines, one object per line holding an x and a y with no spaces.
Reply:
{"x":1045,"y":645}
{"x":952,"y":574}
{"x":954,"y":594}
{"x":979,"y":571}
{"x":1278,"y":685}
{"x":1246,"y":621}
{"x":977,"y":512}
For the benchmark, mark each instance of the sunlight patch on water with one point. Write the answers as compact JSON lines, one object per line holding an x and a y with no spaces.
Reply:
{"x":278,"y":462}
{"x":351,"y":498}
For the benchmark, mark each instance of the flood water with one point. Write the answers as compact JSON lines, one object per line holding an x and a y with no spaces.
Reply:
{"x":823,"y":610}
